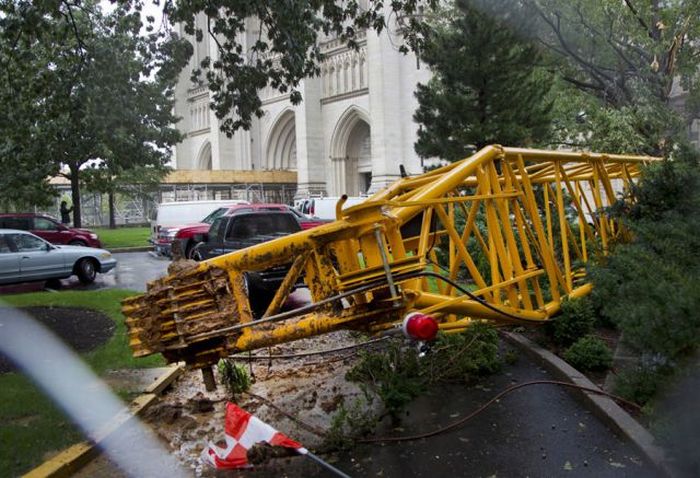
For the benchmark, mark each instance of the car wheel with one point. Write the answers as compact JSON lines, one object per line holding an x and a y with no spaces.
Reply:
{"x":189,"y":250}
{"x":77,"y":242}
{"x":258,"y":298}
{"x":86,"y":270}
{"x":196,"y":255}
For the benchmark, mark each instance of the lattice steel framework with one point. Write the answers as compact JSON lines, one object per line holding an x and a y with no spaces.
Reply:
{"x":502,"y":235}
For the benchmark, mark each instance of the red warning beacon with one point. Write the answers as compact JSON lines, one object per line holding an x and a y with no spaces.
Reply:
{"x":419,"y":326}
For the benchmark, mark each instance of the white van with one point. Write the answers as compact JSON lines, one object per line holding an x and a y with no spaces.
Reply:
{"x":181,"y":213}
{"x":324,"y":208}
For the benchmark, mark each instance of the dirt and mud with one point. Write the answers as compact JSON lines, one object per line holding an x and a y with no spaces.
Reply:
{"x":311,"y":388}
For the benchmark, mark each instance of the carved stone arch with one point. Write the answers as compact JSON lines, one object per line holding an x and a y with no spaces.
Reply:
{"x":281,"y":149}
{"x":351,"y":152}
{"x":344,"y":127}
{"x":331,"y":77}
{"x":204,"y":157}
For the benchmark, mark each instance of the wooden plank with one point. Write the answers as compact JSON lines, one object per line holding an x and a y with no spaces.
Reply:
{"x":165,"y":380}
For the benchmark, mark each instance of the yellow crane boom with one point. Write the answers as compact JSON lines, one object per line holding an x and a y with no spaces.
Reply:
{"x":502,"y":235}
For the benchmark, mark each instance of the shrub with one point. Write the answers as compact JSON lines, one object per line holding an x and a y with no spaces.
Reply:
{"x":589,"y":353}
{"x":640,"y":384}
{"x":392,"y":373}
{"x":655,"y":302}
{"x":462,"y":357}
{"x":649,"y":286}
{"x":234,"y":377}
{"x":576,"y":320}
{"x":398,"y":375}
{"x":348,"y":424}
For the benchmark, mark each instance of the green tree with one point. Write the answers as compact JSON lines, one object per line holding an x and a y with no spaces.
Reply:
{"x":487,"y":87}
{"x":615,"y":50}
{"x":627,"y":58}
{"x":583,"y":121}
{"x":134,"y":181}
{"x":89,"y":88}
{"x":25,"y":173}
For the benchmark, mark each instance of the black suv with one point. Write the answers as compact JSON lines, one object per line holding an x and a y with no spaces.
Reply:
{"x":238,"y":231}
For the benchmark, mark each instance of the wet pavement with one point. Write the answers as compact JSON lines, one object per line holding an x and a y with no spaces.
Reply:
{"x":538,"y":431}
{"x":135,"y":269}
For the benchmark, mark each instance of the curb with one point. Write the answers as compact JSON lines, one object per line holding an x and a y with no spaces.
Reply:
{"x":131,"y":249}
{"x":602,"y":406}
{"x":73,"y":458}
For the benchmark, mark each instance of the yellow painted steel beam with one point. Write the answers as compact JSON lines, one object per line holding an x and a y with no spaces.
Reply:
{"x":498,"y":236}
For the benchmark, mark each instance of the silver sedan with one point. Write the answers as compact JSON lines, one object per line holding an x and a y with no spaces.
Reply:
{"x":25,"y":257}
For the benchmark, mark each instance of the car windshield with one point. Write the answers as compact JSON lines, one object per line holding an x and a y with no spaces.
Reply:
{"x":217,"y":213}
{"x":252,"y":225}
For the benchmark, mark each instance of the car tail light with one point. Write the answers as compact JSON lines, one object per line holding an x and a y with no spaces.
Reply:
{"x":419,"y":326}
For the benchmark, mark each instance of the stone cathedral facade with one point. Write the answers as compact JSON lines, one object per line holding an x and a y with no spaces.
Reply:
{"x":349,"y":135}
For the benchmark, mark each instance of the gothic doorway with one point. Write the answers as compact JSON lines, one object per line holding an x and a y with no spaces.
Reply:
{"x":351,"y":154}
{"x":282,"y":144}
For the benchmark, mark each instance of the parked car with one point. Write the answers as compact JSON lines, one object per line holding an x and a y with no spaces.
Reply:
{"x":25,"y":257}
{"x":236,"y":231}
{"x":186,"y":235}
{"x":169,"y":217}
{"x":50,"y":229}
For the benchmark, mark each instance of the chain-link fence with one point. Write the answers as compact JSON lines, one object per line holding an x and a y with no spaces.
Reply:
{"x":136,"y":206}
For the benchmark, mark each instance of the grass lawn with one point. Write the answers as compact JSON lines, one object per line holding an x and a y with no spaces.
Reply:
{"x":124,"y":237}
{"x":30,"y":425}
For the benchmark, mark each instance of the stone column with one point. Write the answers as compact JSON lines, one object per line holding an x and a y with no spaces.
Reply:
{"x":385,"y":108}
{"x":339,"y":175}
{"x":311,"y":164}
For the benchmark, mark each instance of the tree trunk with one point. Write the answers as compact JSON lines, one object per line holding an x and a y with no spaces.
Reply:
{"x":112,"y":221}
{"x":75,"y":192}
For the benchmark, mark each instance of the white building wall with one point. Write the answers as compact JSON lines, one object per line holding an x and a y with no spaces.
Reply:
{"x":372,"y":85}
{"x":311,"y":157}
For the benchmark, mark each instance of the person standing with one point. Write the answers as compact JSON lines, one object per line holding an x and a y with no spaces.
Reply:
{"x":65,"y":212}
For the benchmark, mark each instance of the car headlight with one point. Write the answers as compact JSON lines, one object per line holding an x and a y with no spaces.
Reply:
{"x":93,"y":236}
{"x":171,"y":234}
{"x":105,"y":255}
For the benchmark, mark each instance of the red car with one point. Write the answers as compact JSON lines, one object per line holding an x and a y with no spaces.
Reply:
{"x":49,"y":229}
{"x":186,"y":234}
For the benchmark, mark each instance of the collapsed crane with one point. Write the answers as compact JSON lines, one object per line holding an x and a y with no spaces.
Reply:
{"x":502,"y":235}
